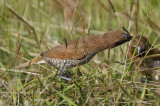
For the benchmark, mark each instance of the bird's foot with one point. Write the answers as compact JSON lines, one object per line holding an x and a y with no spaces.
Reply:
{"x":64,"y":74}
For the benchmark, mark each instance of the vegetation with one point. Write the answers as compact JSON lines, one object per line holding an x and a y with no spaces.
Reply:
{"x":29,"y":27}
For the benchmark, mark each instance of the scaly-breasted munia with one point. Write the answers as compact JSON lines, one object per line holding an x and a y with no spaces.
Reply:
{"x":80,"y":51}
{"x":146,"y":58}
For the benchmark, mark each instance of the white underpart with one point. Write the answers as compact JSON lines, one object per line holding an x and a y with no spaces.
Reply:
{"x":41,"y":62}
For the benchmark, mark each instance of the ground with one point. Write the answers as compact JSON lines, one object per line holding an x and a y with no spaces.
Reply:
{"x":30,"y":27}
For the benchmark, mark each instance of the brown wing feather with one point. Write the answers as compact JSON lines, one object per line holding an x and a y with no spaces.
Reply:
{"x":76,"y":49}
{"x":156,"y":51}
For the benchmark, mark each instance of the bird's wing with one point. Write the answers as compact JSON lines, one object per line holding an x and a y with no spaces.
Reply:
{"x":76,"y":49}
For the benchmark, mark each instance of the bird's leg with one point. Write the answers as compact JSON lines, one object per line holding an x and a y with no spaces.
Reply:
{"x":63,"y":72}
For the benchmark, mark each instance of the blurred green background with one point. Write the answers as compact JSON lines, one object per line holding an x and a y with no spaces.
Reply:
{"x":29,"y":27}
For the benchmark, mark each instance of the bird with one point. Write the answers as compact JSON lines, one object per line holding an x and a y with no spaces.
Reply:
{"x":79,"y":51}
{"x":146,"y":58}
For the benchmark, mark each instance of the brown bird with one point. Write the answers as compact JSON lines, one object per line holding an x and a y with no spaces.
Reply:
{"x":146,"y":57}
{"x":80,"y":51}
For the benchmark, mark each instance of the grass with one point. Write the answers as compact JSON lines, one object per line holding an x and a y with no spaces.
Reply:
{"x":29,"y":27}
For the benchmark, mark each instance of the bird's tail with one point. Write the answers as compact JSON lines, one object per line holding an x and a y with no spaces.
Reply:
{"x":36,"y":60}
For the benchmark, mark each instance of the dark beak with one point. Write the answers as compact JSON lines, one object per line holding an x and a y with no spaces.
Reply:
{"x":128,"y":36}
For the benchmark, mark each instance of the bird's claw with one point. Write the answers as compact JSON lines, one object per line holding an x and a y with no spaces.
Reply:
{"x":65,"y":78}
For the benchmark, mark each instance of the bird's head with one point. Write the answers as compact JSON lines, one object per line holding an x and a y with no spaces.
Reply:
{"x":142,"y":45}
